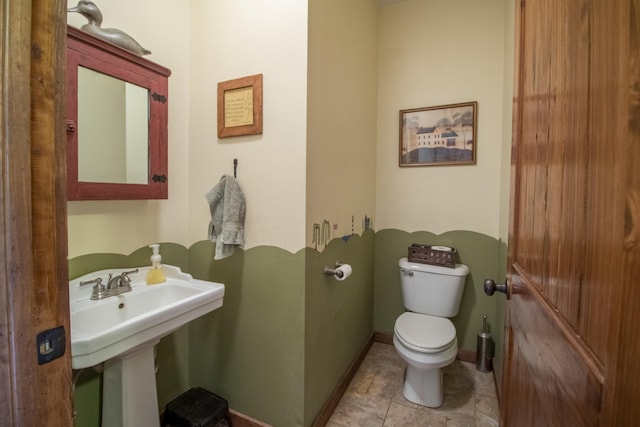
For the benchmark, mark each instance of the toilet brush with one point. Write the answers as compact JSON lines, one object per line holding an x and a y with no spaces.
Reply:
{"x":484,"y":354}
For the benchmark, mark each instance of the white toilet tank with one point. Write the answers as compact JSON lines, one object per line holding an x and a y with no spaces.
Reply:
{"x":431,"y":289}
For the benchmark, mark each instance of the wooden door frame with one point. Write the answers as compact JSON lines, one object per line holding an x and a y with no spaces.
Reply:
{"x":620,"y":403}
{"x":33,"y":230}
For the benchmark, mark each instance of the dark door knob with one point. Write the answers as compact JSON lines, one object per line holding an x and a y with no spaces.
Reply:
{"x":490,"y":287}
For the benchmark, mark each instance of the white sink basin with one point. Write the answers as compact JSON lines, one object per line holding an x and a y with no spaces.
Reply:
{"x":103,"y":329}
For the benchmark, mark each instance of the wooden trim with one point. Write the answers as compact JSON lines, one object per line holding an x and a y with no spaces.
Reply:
{"x":514,"y":193}
{"x":467,"y":355}
{"x":334,"y":398}
{"x":238,"y":419}
{"x":581,"y":348}
{"x":50,"y":384}
{"x":15,"y":263}
{"x":383,"y":337}
{"x":33,"y":272}
{"x":623,"y":388}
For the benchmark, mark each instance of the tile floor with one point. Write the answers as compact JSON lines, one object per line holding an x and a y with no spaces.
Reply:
{"x":374,"y":397}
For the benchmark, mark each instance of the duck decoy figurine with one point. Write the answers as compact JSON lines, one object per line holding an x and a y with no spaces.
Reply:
{"x":89,"y":10}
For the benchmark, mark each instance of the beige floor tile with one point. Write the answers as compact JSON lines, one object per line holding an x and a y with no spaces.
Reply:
{"x":361,"y":409}
{"x":403,"y":416}
{"x":487,"y":406}
{"x":462,"y":421}
{"x":485,"y":383}
{"x":485,"y":421}
{"x":374,"y":397}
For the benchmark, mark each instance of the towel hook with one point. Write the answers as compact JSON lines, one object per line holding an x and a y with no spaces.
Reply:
{"x":235,"y":167}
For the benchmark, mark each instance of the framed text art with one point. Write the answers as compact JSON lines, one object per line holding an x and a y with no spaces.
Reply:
{"x":441,"y":135}
{"x":240,"y":106}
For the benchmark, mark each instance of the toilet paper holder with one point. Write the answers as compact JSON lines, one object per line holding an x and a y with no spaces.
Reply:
{"x":332,"y":271}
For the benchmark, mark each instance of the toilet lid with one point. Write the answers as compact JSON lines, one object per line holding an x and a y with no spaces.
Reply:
{"x":424,"y":333}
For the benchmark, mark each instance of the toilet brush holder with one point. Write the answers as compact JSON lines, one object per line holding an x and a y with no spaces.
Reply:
{"x":484,"y":354}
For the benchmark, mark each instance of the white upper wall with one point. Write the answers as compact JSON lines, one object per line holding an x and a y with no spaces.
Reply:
{"x":509,"y":52}
{"x":162,"y":26}
{"x":431,"y":53}
{"x":428,"y":53}
{"x":204,"y":43}
{"x":343,"y":62}
{"x":233,"y":39}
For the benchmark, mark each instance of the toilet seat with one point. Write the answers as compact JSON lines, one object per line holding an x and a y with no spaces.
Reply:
{"x":424,"y":333}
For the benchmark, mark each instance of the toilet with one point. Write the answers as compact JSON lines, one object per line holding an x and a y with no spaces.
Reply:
{"x":424,"y":336}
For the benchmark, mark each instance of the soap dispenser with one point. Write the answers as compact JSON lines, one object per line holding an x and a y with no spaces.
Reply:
{"x":156,"y":273}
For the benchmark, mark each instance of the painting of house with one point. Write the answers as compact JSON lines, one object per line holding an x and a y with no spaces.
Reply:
{"x":438,"y":135}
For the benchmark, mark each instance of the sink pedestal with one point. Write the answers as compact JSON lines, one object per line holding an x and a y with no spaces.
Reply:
{"x":129,"y":397}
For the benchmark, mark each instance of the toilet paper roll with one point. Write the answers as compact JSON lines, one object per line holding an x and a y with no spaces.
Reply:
{"x":343,"y":272}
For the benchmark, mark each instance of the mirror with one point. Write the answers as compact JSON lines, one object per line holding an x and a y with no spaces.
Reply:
{"x":116,"y":122}
{"x":113,"y":134}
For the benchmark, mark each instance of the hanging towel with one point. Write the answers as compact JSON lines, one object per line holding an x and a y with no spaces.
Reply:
{"x":227,"y":204}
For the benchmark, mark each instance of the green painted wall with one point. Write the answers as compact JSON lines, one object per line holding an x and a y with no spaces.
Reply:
{"x":251,"y":351}
{"x":286,"y":334}
{"x":278,"y":346}
{"x":339,"y":316}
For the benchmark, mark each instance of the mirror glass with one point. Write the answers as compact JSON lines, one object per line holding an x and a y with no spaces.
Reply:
{"x":113,"y":129}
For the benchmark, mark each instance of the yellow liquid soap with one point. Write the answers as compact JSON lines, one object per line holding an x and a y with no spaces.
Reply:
{"x":156,"y":273}
{"x":155,"y":276}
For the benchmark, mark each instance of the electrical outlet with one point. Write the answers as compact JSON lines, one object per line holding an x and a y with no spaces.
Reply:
{"x":51,"y":344}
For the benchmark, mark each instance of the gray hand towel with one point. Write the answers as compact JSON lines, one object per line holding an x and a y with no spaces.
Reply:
{"x":228,"y":209}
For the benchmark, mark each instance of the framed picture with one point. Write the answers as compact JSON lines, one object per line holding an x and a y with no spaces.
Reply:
{"x":240,"y":106}
{"x":442,"y":135}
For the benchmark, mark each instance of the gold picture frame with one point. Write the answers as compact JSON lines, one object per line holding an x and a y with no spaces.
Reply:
{"x":240,"y":106}
{"x":441,"y":135}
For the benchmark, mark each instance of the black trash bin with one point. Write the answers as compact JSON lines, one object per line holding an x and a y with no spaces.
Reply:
{"x":197,"y":407}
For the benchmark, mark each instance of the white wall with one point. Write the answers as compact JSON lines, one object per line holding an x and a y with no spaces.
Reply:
{"x":161,"y":26}
{"x":204,"y":43}
{"x":233,"y":39}
{"x":341,"y":115}
{"x":436,"y":53}
{"x":507,"y":102}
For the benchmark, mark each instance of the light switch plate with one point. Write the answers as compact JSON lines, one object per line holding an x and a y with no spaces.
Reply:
{"x":51,"y":344}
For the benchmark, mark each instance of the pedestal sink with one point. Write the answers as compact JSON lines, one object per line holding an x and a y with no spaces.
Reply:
{"x":122,"y":330}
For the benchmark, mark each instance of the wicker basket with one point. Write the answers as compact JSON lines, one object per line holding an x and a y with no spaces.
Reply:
{"x":434,"y":255}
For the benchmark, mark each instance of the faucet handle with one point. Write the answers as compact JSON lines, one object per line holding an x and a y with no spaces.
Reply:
{"x":125,"y":280}
{"x":125,"y":275}
{"x":98,"y":289}
{"x":97,"y":281}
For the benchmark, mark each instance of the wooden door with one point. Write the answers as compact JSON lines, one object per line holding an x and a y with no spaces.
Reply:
{"x":573,"y":324}
{"x":33,"y":266}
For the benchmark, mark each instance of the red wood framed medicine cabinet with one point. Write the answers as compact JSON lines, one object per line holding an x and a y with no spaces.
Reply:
{"x":102,"y":161}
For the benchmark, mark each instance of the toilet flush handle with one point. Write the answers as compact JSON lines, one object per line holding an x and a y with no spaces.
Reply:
{"x":406,"y":272}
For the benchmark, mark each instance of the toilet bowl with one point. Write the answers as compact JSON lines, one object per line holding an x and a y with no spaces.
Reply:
{"x":427,"y":343}
{"x":423,"y":336}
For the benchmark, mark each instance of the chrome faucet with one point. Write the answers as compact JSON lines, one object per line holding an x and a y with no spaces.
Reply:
{"x":116,"y":285}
